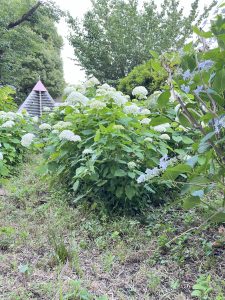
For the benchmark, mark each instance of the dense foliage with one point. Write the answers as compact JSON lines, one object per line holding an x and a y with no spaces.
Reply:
{"x":15,"y":138}
{"x":6,"y":100}
{"x":151,"y":75}
{"x":116,"y":36}
{"x":30,"y":46}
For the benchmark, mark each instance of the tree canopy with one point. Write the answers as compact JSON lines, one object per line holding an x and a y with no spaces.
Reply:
{"x":116,"y":35}
{"x":30,"y":46}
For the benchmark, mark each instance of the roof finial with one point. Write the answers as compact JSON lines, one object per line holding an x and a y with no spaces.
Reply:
{"x":39,"y":77}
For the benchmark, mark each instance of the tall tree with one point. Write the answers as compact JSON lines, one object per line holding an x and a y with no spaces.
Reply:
{"x":30,"y":46}
{"x":116,"y":35}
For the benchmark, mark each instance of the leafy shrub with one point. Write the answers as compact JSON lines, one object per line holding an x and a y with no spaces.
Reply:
{"x":13,"y":127}
{"x":99,"y":147}
{"x":151,"y":75}
{"x":6,"y":99}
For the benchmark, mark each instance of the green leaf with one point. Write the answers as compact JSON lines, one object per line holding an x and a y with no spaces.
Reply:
{"x":219,"y":217}
{"x":159,"y":120}
{"x":187,"y":140}
{"x":173,"y":172}
{"x":202,"y":33}
{"x":97,"y":136}
{"x":163,"y":99}
{"x":120,"y":173}
{"x":191,"y":202}
{"x":130,"y":191}
{"x":76,"y":185}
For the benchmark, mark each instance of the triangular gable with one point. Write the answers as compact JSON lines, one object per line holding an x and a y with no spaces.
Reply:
{"x":37,"y":100}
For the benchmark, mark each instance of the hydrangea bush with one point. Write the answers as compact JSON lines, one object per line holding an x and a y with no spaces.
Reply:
{"x":15,"y":138}
{"x":101,"y":146}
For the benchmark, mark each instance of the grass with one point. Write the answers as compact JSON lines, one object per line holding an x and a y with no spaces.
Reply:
{"x":49,"y":250}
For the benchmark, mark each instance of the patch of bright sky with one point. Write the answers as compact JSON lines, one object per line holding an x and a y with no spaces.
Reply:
{"x":77,"y":8}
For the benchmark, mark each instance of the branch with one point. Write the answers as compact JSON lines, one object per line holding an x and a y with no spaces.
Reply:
{"x":25,"y":17}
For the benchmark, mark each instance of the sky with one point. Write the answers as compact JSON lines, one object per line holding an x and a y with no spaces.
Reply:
{"x":77,"y":8}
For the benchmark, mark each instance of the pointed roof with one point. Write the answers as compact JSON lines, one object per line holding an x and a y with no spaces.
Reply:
{"x":37,"y":100}
{"x":39,"y":87}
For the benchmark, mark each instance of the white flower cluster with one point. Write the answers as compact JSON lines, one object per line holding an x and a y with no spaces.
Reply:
{"x":11,"y":116}
{"x":91,"y":82}
{"x":87,"y":151}
{"x":148,"y":139}
{"x":132,"y":109}
{"x":8,"y":124}
{"x":68,"y":135}
{"x":140,"y":92}
{"x":144,"y":111}
{"x":164,"y":162}
{"x":62,"y":125}
{"x":1,"y":156}
{"x":119,"y":98}
{"x":165,"y":136}
{"x":96,"y":104}
{"x":76,"y":98}
{"x":27,"y":139}
{"x":161,"y":127}
{"x":46,"y":109}
{"x":145,"y":121}
{"x":131,"y":165}
{"x":45,"y":126}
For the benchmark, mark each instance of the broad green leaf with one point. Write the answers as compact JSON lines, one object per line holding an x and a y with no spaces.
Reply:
{"x":191,"y":202}
{"x":173,"y":172}
{"x":163,"y":99}
{"x":202,"y":33}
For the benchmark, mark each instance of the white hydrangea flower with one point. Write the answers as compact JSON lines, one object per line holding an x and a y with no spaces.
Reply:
{"x":131,"y":165}
{"x":1,"y":156}
{"x":55,"y":131}
{"x":68,"y":135}
{"x":46,"y":109}
{"x":91,"y":82}
{"x":35,"y":119}
{"x":145,"y":121}
{"x":87,"y":151}
{"x":27,"y":139}
{"x":62,"y":125}
{"x":148,"y":139}
{"x":119,"y":98}
{"x":140,"y":92}
{"x":96,"y":104}
{"x":161,"y":127}
{"x":45,"y":126}
{"x":8,"y":124}
{"x":75,"y":98}
{"x":144,"y":111}
{"x":165,"y":136}
{"x":132,"y":109}
{"x":68,"y":90}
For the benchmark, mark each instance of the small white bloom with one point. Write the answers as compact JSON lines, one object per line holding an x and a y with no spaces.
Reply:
{"x":96,"y":104}
{"x":145,"y":121}
{"x":55,"y":131}
{"x":35,"y":119}
{"x":140,"y":92}
{"x":46,"y":108}
{"x":62,"y":125}
{"x":27,"y":139}
{"x":144,"y":111}
{"x":75,"y":98}
{"x":119,"y":98}
{"x":68,"y":90}
{"x":45,"y":126}
{"x":132,"y":109}
{"x":161,"y":127}
{"x":68,"y":135}
{"x":1,"y":156}
{"x":148,"y":139}
{"x":8,"y":124}
{"x":87,"y":151}
{"x":91,"y":82}
{"x":165,"y":136}
{"x":131,"y":165}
